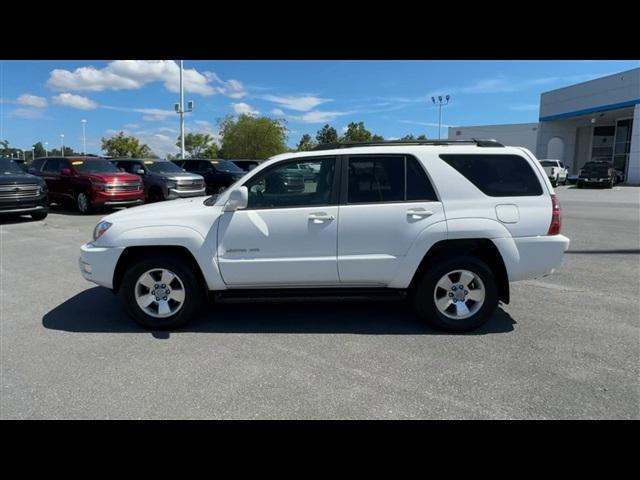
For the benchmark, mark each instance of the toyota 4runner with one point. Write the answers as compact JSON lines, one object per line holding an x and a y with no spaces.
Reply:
{"x":445,"y":224}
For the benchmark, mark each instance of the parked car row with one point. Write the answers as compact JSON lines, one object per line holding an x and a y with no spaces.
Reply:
{"x":87,"y":183}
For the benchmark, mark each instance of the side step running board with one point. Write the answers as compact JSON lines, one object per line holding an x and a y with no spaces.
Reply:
{"x":308,"y":295}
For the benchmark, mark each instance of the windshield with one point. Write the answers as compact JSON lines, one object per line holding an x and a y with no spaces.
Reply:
{"x":596,"y":166}
{"x":94,"y":166}
{"x":548,"y":163}
{"x":226,"y":166}
{"x":8,"y":166}
{"x":162,"y":166}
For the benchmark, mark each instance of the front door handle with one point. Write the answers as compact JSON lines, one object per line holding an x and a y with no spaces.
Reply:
{"x":419,"y":213}
{"x":320,"y":217}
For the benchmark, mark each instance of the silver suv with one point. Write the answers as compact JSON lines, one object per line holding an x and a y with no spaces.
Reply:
{"x":163,"y":180}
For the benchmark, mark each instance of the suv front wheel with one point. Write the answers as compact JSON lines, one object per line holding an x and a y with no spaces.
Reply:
{"x":161,"y":293}
{"x":457,"y":294}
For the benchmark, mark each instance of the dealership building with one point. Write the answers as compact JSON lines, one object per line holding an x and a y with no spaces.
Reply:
{"x":594,"y":120}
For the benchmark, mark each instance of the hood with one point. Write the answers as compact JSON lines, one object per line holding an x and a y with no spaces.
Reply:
{"x":189,"y":213}
{"x":113,"y":177}
{"x":19,"y":178}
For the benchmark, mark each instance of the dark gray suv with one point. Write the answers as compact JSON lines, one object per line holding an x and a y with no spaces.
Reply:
{"x":163,"y":180}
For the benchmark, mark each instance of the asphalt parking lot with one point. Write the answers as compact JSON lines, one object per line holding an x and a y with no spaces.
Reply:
{"x":567,"y":347}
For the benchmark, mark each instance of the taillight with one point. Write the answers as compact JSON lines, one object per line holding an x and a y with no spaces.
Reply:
{"x":554,"y":228}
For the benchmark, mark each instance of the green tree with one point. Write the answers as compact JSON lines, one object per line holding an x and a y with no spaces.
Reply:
{"x":68,"y":152}
{"x":122,"y":145}
{"x":199,"y":145}
{"x":305,"y":143}
{"x":252,"y":137}
{"x":39,"y":150}
{"x":327,"y":134}
{"x":357,"y":132}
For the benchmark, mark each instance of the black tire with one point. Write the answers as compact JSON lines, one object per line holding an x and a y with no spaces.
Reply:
{"x":83,"y":205}
{"x":423,"y":294}
{"x":554,"y":183}
{"x":194,"y":292}
{"x":39,"y":215}
{"x":155,"y":195}
{"x":578,"y":185}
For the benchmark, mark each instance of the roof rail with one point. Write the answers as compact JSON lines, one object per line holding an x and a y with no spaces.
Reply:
{"x":473,"y":141}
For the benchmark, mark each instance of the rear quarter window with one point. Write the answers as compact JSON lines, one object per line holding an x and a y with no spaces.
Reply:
{"x":497,"y":175}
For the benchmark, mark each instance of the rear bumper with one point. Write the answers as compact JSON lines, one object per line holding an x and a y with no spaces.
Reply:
{"x":532,"y":257}
{"x":97,"y":264}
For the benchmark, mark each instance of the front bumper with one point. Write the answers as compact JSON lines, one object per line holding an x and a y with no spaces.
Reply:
{"x":594,"y":181}
{"x":25,"y":205}
{"x":175,"y":193}
{"x":118,"y":199}
{"x":97,"y":264}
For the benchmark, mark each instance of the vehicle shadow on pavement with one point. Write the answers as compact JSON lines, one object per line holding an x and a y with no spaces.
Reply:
{"x":97,"y":310}
{"x":12,"y":219}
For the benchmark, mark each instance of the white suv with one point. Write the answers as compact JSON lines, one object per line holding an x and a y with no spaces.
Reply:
{"x":446,"y":224}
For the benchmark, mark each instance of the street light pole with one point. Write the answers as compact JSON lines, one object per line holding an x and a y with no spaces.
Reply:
{"x":33,"y":153}
{"x":84,"y":139}
{"x":440,"y":102}
{"x":62,"y":144}
{"x":46,"y":149}
{"x":181,"y":111}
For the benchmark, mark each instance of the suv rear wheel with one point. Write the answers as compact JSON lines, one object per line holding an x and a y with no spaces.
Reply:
{"x":161,"y":292}
{"x":457,"y":294}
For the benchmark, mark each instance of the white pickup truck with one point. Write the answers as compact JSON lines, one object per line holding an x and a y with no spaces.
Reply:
{"x":445,"y":224}
{"x":556,"y":171}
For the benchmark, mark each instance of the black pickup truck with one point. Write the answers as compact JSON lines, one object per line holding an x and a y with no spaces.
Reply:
{"x":20,"y":192}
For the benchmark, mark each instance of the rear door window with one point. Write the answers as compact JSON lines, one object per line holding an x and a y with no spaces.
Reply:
{"x":52,"y":165}
{"x":497,"y":175}
{"x":393,"y":178}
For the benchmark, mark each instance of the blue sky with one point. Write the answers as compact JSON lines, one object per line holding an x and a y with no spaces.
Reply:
{"x":39,"y":100}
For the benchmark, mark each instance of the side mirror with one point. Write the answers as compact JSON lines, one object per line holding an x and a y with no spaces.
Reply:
{"x":65,"y":171}
{"x":238,"y":199}
{"x":140,"y":171}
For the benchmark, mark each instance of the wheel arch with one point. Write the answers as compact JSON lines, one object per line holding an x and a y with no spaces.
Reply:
{"x":133,"y":253}
{"x":482,"y":248}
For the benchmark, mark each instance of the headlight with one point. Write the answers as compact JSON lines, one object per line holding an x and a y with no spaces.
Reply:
{"x":100,"y":229}
{"x":171,"y":183}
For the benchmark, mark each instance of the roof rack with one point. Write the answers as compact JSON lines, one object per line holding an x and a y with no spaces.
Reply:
{"x":474,"y":141}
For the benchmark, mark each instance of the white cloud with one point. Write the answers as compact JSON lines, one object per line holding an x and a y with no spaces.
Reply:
{"x":243,"y":108}
{"x":277,"y":111}
{"x":74,"y":101}
{"x":135,"y":74}
{"x":301,"y":104}
{"x":131,"y":125}
{"x":202,"y":123}
{"x":231,"y":88}
{"x":318,"y":116}
{"x":28,"y":113}
{"x":149,"y":114}
{"x":32,"y":100}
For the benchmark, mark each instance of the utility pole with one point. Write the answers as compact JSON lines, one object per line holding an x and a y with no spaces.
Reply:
{"x":84,"y":139}
{"x":181,"y":111}
{"x":62,"y":144}
{"x":440,"y":102}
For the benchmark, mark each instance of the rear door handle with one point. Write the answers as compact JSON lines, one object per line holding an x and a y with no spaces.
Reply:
{"x":320,"y":217}
{"x":419,"y":213}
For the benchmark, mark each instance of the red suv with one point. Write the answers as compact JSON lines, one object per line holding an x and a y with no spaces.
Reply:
{"x":88,"y":182}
